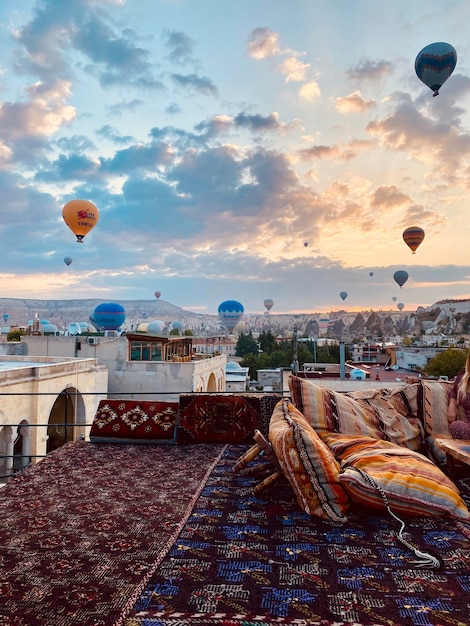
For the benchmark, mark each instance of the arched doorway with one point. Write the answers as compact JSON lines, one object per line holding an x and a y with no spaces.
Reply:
{"x":66,"y":419}
{"x":212,"y":383}
{"x":21,"y":447}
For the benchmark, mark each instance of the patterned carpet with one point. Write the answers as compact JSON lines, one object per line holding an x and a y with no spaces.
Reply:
{"x":82,"y":531}
{"x":245,"y":561}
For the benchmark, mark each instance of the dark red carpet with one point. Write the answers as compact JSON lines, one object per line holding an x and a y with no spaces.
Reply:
{"x":81,"y":532}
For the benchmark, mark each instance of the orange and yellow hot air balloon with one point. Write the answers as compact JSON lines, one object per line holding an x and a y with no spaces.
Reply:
{"x":80,"y":216}
{"x":413,"y":236}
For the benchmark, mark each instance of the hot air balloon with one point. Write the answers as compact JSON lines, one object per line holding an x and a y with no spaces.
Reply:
{"x":158,"y":294}
{"x":108,"y":316}
{"x":400,"y":306}
{"x":371,"y":273}
{"x":434,"y":64}
{"x":155,"y":327}
{"x":343,"y":295}
{"x":305,"y":244}
{"x":6,"y":317}
{"x":400,"y":277}
{"x":413,"y":236}
{"x":80,"y":216}
{"x":230,"y":312}
{"x":394,"y":298}
{"x":268,"y":304}
{"x":67,"y":260}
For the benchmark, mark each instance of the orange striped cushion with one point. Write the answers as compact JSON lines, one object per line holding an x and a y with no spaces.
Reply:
{"x":313,"y":401}
{"x":307,"y":462}
{"x":413,"y":484}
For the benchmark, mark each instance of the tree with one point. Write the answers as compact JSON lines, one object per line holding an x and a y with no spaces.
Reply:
{"x":246,"y":344}
{"x":446,"y":363}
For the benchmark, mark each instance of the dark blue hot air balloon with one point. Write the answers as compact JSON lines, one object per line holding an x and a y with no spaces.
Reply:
{"x":108,"y":316}
{"x":434,"y":64}
{"x":343,"y":295}
{"x":400,"y":277}
{"x":230,"y":313}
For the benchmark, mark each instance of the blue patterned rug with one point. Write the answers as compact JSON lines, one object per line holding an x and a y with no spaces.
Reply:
{"x":246,"y":560}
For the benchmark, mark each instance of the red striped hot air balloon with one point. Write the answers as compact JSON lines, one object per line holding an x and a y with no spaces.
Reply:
{"x":413,"y":236}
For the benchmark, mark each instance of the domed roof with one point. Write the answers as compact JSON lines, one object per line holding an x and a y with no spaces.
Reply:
{"x":233,"y":365}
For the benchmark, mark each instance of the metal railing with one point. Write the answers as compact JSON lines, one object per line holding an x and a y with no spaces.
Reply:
{"x":73,"y":430}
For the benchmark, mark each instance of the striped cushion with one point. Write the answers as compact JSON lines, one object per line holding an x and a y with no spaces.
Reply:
{"x":307,"y":462}
{"x":313,"y":401}
{"x":435,"y":400}
{"x":394,"y":425}
{"x":412,"y":484}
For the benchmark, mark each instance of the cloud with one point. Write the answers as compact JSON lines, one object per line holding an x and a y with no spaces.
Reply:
{"x":258,"y":122}
{"x":181,"y":47}
{"x":310,"y":91}
{"x":354,"y":103}
{"x":293,"y":69}
{"x":195,"y":83}
{"x":388,"y":197}
{"x":84,"y":26}
{"x":370,"y":70}
{"x":262,"y":43}
{"x":341,"y":152}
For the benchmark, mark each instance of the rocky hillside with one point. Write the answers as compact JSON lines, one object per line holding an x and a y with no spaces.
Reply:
{"x":447,"y":317}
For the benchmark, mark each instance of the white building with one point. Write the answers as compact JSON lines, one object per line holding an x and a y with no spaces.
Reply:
{"x":45,"y":402}
{"x":237,"y":377}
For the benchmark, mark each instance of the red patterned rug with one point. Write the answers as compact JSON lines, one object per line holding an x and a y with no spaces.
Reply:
{"x":82,"y":531}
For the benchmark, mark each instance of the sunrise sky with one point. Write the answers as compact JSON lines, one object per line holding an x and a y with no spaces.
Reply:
{"x":218,"y":137}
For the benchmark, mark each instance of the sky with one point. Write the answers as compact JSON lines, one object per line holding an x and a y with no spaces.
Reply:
{"x":236,"y":150}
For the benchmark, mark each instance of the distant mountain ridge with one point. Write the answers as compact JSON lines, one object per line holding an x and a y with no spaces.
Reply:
{"x":442,"y":317}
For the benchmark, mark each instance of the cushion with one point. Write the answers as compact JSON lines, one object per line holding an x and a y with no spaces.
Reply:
{"x":392,"y":410}
{"x":134,"y":421}
{"x":412,"y":484}
{"x":308,"y":464}
{"x":435,"y":400}
{"x":313,"y":401}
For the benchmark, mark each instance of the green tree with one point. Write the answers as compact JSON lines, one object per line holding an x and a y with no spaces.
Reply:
{"x":446,"y":363}
{"x":246,"y":344}
{"x":267,"y":341}
{"x":188,"y":332}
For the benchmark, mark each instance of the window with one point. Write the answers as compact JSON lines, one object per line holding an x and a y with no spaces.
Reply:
{"x":145,"y":351}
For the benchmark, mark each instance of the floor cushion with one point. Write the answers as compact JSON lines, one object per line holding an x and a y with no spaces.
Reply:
{"x":307,"y":463}
{"x":411,"y":483}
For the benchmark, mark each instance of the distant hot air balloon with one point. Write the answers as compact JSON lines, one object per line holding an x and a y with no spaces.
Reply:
{"x":268,"y":304}
{"x":413,"y":236}
{"x":394,"y":298}
{"x":343,"y":295}
{"x":400,"y":277}
{"x":305,"y":244}
{"x":434,"y":64}
{"x":67,"y":260}
{"x":230,"y":312}
{"x":158,"y":294}
{"x":400,"y":306}
{"x":6,"y":317}
{"x":371,"y":273}
{"x":80,"y":216}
